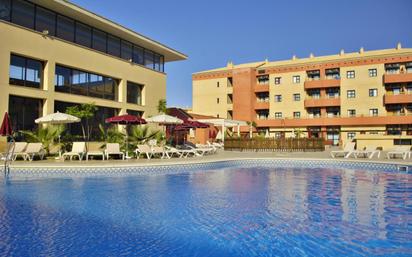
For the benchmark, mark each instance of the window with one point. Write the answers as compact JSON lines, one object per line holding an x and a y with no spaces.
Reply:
{"x":296,"y":97}
{"x":296,"y":79}
{"x":278,"y":115}
{"x":79,"y":82}
{"x":402,"y":142}
{"x":351,"y":113}
{"x":351,"y":135}
{"x":99,"y":40}
{"x":373,"y":112}
{"x":277,"y":80}
{"x":351,"y":94}
{"x":83,"y":34}
{"x":25,"y":72}
{"x":65,"y":28}
{"x":263,"y":80}
{"x":373,"y":73}
{"x":217,"y":84}
{"x":113,"y":45}
{"x":23,"y":111}
{"x":296,"y":115}
{"x":350,"y":74}
{"x":148,"y":59}
{"x":23,"y":13}
{"x":127,"y":51}
{"x":217,"y":100}
{"x":5,"y":9}
{"x":373,"y":92}
{"x":45,"y":20}
{"x":278,"y":98}
{"x":138,"y":55}
{"x":134,"y":93}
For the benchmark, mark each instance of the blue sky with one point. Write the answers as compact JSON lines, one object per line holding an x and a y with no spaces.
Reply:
{"x":213,"y":32}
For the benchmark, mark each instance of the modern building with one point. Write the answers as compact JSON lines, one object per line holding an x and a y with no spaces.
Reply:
{"x":55,"y":54}
{"x":366,"y":94}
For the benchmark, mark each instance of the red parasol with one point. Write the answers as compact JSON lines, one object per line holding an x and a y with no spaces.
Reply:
{"x":126,"y":119}
{"x":6,"y":129}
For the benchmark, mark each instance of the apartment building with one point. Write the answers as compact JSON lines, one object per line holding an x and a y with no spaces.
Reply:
{"x":338,"y":97}
{"x":54,"y":54}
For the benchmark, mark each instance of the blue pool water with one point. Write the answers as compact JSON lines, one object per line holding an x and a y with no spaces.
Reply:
{"x":236,"y":211}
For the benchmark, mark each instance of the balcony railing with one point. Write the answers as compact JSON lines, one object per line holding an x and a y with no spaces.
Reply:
{"x":322,"y":83}
{"x":398,"y":77}
{"x":401,"y":98}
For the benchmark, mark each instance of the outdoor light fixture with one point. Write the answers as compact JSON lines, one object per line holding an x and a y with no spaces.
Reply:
{"x":45,"y":32}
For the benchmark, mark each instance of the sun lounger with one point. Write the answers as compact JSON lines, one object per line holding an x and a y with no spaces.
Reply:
{"x":182,"y":153}
{"x":18,"y":150}
{"x":368,"y":152}
{"x":113,"y":149}
{"x":403,"y":151}
{"x":200,"y":151}
{"x":346,"y":152}
{"x":143,"y":150}
{"x":32,"y":150}
{"x":78,"y":149}
{"x":160,"y":152}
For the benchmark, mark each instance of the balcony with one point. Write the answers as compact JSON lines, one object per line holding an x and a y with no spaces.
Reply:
{"x":389,"y":98}
{"x":397,"y":78}
{"x":321,"y":102}
{"x":321,"y":83}
{"x":336,"y":121}
{"x":262,"y":106}
{"x":262,"y":88}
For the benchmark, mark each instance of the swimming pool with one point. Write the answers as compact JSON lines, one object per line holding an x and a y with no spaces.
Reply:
{"x":222,"y":209}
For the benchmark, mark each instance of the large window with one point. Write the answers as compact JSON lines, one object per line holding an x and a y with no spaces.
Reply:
{"x":23,"y":13}
{"x":113,"y":45}
{"x":78,"y":82}
{"x":45,"y":21}
{"x":101,"y":114}
{"x":25,"y":72}
{"x":5,"y":9}
{"x":65,"y":28}
{"x":32,"y":16}
{"x":134,"y":93}
{"x":83,"y":34}
{"x":99,"y":40}
{"x":23,"y":111}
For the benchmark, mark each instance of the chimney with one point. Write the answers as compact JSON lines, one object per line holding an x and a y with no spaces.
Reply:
{"x":266,"y":60}
{"x":311,"y":55}
{"x":294,"y":57}
{"x":229,"y":64}
{"x":361,"y":50}
{"x":399,"y":46}
{"x":342,"y":52}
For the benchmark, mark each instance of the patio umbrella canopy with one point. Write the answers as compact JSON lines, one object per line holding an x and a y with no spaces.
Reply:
{"x":164,"y":119}
{"x":57,"y":118}
{"x":6,"y":129}
{"x":126,"y":119}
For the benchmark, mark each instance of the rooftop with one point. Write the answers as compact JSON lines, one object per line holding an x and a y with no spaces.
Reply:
{"x":79,"y":13}
{"x":315,"y":59}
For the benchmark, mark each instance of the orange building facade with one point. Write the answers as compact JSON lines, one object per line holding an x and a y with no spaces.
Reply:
{"x":338,"y":97}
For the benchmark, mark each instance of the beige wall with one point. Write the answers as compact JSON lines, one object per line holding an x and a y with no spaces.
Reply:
{"x":361,"y":84}
{"x":51,"y":50}
{"x":205,"y":94}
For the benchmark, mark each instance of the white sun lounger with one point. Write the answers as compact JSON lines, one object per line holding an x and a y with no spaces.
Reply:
{"x":32,"y":150}
{"x":113,"y":149}
{"x":160,"y":151}
{"x":78,"y":149}
{"x":346,"y":152}
{"x":404,"y":151}
{"x":181,"y":153}
{"x":17,"y":149}
{"x":369,"y":152}
{"x":143,"y":150}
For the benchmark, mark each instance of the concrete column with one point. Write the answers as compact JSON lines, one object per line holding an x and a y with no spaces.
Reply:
{"x":4,"y":80}
{"x":48,"y":86}
{"x":122,"y":96}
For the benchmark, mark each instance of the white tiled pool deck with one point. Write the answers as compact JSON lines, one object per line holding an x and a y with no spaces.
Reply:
{"x":219,"y":156}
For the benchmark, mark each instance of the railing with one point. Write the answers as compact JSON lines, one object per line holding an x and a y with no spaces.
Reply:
{"x":272,"y":144}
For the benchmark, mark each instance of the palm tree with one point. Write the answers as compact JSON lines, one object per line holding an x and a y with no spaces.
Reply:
{"x":85,"y":112}
{"x":142,"y":134}
{"x":44,"y":135}
{"x":162,"y":106}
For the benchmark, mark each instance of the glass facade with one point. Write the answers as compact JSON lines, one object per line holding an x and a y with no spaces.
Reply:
{"x":32,"y":16}
{"x":101,"y":114}
{"x":23,"y":111}
{"x":134,"y":93}
{"x":25,"y":72}
{"x":73,"y":81}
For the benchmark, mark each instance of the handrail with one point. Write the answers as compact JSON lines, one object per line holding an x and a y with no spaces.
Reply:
{"x":275,"y":144}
